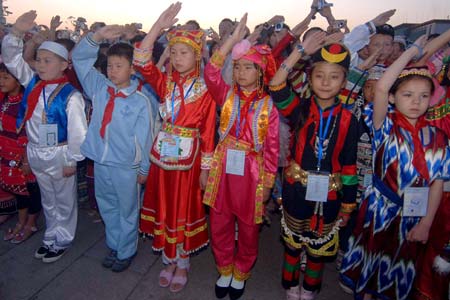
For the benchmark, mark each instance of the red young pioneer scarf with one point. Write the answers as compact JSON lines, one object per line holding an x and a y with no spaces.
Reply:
{"x":33,"y":97}
{"x":419,"y":161}
{"x":109,"y":108}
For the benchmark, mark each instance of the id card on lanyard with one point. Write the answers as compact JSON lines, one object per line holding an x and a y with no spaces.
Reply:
{"x":48,"y":133}
{"x":415,"y":201}
{"x":235,"y":163}
{"x":170,"y":144}
{"x":318,"y":182}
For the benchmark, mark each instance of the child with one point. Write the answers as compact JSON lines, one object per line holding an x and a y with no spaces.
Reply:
{"x":172,"y":211}
{"x":320,"y":182}
{"x":53,"y":114}
{"x":410,"y":159}
{"x":249,"y":132}
{"x":15,"y":172}
{"x":118,"y":141}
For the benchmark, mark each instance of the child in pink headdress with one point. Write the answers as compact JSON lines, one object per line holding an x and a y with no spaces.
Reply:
{"x":245,"y":159}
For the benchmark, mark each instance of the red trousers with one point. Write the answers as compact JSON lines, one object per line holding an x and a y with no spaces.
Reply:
{"x":229,"y":258}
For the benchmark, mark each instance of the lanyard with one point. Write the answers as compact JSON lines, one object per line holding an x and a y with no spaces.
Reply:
{"x":322,"y":135}
{"x":174,"y":116}
{"x":240,"y":125}
{"x":45,"y":102}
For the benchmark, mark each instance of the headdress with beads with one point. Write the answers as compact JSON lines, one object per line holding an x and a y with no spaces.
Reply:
{"x":192,"y":38}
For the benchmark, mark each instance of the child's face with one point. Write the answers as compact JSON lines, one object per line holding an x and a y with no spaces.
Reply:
{"x":8,"y":84}
{"x":369,"y":90}
{"x":327,"y":80}
{"x":49,"y":66}
{"x":182,"y":58}
{"x":245,"y":74}
{"x":383,"y":41}
{"x":119,"y":71}
{"x":412,"y":98}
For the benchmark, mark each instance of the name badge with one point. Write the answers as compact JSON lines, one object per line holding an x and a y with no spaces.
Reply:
{"x":170,"y":148}
{"x":235,"y":162}
{"x":415,"y":201}
{"x":367,"y":179}
{"x":48,"y":135}
{"x":317,"y":188}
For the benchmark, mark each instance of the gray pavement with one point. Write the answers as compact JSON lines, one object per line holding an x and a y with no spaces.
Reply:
{"x":78,"y":275}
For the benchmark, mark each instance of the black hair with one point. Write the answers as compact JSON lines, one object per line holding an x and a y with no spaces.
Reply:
{"x":400,"y":81}
{"x":193,"y":22}
{"x":122,"y":50}
{"x":4,"y":69}
{"x":385,"y":29}
{"x":101,"y":63}
{"x":67,"y":43}
{"x":445,"y":79}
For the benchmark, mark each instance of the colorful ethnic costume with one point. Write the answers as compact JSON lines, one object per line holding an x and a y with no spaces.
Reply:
{"x":433,"y":271}
{"x":325,"y":146}
{"x":172,"y":211}
{"x":248,"y":127}
{"x":380,"y":261}
{"x":52,"y":113}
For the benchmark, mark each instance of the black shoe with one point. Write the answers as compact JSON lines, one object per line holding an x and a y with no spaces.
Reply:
{"x":110,"y":259}
{"x":235,"y":294}
{"x":41,"y":252}
{"x":53,"y":255}
{"x":221,"y":291}
{"x":121,"y":265}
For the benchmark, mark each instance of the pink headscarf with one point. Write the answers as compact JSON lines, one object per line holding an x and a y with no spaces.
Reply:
{"x":259,"y":54}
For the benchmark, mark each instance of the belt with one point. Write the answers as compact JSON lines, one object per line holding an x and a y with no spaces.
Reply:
{"x":293,"y":173}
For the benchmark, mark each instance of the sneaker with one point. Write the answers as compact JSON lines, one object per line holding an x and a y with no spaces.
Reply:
{"x":345,"y":288}
{"x":121,"y":265}
{"x":53,"y":255}
{"x":110,"y":259}
{"x":41,"y":252}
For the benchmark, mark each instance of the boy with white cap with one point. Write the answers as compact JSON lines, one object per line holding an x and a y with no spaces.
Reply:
{"x":52,"y":111}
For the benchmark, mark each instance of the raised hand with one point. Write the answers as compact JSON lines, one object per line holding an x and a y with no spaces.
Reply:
{"x":334,"y":37}
{"x":25,"y":22}
{"x":313,"y":42}
{"x":276,"y":19}
{"x":108,"y":32}
{"x":383,"y":18}
{"x":130,"y":31}
{"x":240,"y":30}
{"x":55,"y":22}
{"x":371,"y":60}
{"x":168,"y":17}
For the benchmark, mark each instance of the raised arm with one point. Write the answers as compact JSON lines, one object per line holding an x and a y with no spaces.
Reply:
{"x":310,"y":45}
{"x":433,"y":46}
{"x":166,"y":20}
{"x":380,"y":102}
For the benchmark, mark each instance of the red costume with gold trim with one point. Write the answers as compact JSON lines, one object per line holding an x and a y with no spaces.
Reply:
{"x":172,"y":211}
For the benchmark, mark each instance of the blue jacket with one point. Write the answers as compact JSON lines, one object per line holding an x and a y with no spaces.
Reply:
{"x":129,"y":135}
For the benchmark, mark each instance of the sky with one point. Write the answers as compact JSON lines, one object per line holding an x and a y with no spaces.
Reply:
{"x":209,"y":12}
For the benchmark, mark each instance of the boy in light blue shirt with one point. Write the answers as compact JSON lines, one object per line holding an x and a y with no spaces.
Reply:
{"x":119,"y":138}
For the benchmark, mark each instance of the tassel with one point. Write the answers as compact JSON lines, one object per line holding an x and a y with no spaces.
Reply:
{"x":320,"y":230}
{"x":313,"y":224}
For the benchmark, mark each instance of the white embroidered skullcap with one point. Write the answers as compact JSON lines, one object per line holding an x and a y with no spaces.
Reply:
{"x":56,"y":48}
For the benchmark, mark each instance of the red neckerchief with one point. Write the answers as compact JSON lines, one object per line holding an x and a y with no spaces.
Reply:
{"x":313,"y":117}
{"x":419,"y":161}
{"x":179,"y":81}
{"x":33,"y":97}
{"x":109,"y":108}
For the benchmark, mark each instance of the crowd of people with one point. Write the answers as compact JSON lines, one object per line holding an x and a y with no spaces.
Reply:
{"x":191,"y":135}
